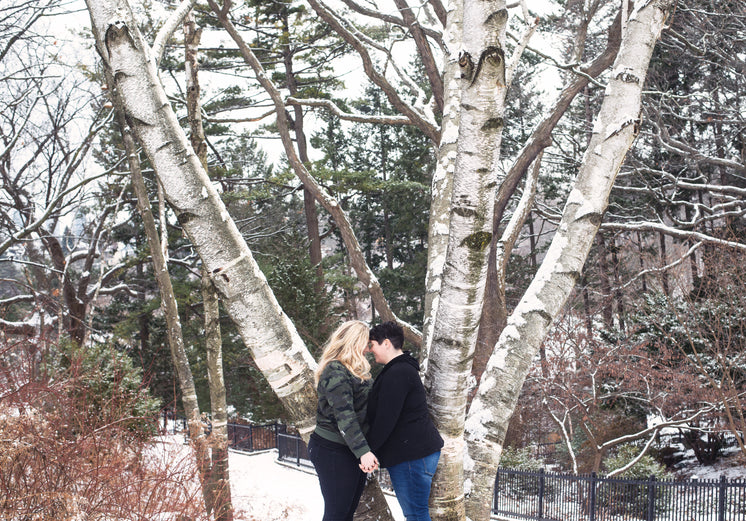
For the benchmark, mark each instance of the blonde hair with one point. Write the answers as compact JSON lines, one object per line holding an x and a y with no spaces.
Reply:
{"x":347,"y":345}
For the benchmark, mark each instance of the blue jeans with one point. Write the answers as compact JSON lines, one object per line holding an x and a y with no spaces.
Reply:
{"x":411,"y":481}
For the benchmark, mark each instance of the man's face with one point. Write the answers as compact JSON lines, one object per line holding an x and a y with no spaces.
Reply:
{"x":378,"y":350}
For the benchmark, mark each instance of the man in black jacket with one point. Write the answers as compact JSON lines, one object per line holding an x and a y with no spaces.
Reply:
{"x":401,"y":434}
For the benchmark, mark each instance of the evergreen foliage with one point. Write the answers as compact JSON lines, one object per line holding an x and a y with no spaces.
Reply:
{"x":105,"y":385}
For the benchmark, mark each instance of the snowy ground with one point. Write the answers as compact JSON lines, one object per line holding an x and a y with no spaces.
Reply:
{"x":266,"y":490}
{"x":731,"y":465}
{"x":263,"y":489}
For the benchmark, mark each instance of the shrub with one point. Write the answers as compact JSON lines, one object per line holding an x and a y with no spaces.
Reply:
{"x":522,"y":459}
{"x":628,"y":491}
{"x":69,"y":448}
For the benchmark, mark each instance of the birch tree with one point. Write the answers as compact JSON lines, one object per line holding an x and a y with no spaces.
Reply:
{"x":274,"y":343}
{"x":614,"y":130}
{"x":472,"y":104}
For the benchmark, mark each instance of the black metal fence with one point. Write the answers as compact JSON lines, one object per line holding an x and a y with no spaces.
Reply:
{"x":549,"y":496}
{"x":250,"y":438}
{"x":292,"y":449}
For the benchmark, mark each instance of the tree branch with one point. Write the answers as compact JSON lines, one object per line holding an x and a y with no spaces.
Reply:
{"x":169,"y":27}
{"x":357,"y":259}
{"x":428,"y":128}
{"x":347,"y":116}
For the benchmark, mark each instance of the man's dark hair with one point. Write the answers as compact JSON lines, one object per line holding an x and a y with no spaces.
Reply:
{"x":390,"y":330}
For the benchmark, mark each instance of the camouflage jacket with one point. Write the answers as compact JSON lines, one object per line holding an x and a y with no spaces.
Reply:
{"x":340,"y":416}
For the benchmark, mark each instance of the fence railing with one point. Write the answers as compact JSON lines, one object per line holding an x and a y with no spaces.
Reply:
{"x":549,"y":496}
{"x":563,"y":497}
{"x":292,"y":449}
{"x":250,"y":438}
{"x":241,"y":437}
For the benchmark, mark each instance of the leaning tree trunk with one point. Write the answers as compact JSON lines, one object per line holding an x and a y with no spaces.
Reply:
{"x":268,"y":333}
{"x":614,"y":131}
{"x":470,"y":231}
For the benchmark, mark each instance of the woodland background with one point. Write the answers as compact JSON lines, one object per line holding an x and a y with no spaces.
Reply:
{"x":651,"y":338}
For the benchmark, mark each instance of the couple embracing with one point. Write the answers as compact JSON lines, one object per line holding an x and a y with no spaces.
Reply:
{"x":362,"y":424}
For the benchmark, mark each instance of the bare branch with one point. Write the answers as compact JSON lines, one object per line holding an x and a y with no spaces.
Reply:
{"x":673,"y":232}
{"x":347,"y":116}
{"x":169,"y":27}
{"x":427,"y":127}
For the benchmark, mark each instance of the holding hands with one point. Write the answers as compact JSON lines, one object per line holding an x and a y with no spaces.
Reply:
{"x":368,"y":462}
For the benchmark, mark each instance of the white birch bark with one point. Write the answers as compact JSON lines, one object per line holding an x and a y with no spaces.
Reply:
{"x":218,"y":479}
{"x":482,"y":79}
{"x":442,"y":187}
{"x":268,"y":333}
{"x":614,"y":131}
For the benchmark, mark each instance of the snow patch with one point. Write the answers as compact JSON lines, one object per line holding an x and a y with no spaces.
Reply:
{"x":498,"y":360}
{"x":510,"y":333}
{"x":468,"y":462}
{"x":475,"y":424}
{"x":440,"y":228}
{"x":263,"y":488}
{"x":489,"y":381}
{"x":450,"y":135}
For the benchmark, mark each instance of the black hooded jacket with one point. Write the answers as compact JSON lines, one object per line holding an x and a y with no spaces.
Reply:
{"x":400,"y":425}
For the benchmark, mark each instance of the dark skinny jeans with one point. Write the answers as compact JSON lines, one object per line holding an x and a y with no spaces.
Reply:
{"x":340,"y":477}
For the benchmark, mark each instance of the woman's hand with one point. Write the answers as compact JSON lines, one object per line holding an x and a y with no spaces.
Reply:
{"x":368,"y":462}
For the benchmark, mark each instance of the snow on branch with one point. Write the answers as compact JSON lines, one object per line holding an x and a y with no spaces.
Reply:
{"x":169,"y":27}
{"x":673,"y":232}
{"x":347,"y":116}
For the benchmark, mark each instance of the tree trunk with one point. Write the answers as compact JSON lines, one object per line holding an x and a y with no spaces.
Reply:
{"x":217,"y":481}
{"x":469,"y":235}
{"x":169,"y":306}
{"x":219,"y":478}
{"x":309,"y":202}
{"x":664,"y":260}
{"x":603,"y":276}
{"x":442,"y":182}
{"x":614,"y":131}
{"x":494,"y":311}
{"x":268,"y":333}
{"x":617,"y":291}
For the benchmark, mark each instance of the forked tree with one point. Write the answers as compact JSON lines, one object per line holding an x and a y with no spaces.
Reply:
{"x":461,"y":226}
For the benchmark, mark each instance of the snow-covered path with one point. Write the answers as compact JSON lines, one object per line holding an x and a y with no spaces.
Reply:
{"x":265,"y":490}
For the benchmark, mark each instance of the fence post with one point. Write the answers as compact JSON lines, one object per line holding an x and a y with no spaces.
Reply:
{"x":592,"y":493}
{"x":297,"y":451}
{"x":541,"y":494}
{"x":721,"y":499}
{"x":651,"y":498}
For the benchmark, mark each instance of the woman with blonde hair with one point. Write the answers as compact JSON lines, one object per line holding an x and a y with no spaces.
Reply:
{"x":338,"y":448}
